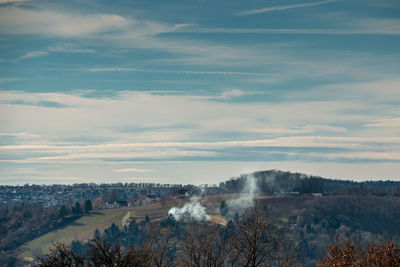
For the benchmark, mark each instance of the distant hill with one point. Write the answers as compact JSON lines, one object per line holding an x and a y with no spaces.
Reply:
{"x":276,"y":181}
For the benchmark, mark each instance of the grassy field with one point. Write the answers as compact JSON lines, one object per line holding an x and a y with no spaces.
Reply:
{"x":81,"y":229}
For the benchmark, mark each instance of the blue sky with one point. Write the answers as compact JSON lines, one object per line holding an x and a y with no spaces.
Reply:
{"x":195,"y":92}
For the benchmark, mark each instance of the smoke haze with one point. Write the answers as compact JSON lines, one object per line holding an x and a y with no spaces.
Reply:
{"x":190,"y":211}
{"x":197,"y":212}
{"x":246,"y":199}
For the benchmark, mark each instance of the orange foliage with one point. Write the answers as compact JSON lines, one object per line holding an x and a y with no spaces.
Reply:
{"x":386,"y":255}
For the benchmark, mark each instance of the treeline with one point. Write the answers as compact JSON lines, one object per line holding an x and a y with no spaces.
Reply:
{"x":75,"y":210}
{"x":274,"y":181}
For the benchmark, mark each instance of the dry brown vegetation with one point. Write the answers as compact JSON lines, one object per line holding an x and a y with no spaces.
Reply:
{"x":352,"y":254}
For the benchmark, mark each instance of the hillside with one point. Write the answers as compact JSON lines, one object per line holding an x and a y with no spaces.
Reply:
{"x":341,"y":208}
{"x":309,"y":223}
{"x":83,"y":228}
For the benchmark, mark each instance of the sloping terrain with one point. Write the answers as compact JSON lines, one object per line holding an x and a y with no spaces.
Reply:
{"x":81,"y":229}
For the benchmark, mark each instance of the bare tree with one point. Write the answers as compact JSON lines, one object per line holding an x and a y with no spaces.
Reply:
{"x":137,"y":257}
{"x":215,"y":249}
{"x":159,"y":243}
{"x":110,"y":255}
{"x":61,"y":255}
{"x":204,"y":246}
{"x":193,"y":247}
{"x":163,"y":202}
{"x":103,"y":253}
{"x":255,"y":242}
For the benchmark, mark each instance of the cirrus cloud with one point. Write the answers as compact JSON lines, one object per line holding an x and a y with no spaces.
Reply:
{"x":132,"y":170}
{"x":16,"y":20}
{"x":33,"y":54}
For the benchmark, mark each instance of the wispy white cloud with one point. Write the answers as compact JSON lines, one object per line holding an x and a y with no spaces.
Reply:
{"x":6,"y":80}
{"x":69,"y":48}
{"x":15,"y":20}
{"x":363,"y":155}
{"x":132,"y":170}
{"x":131,"y":127}
{"x":361,"y":91}
{"x":291,"y":141}
{"x":120,"y":155}
{"x":227,"y":95}
{"x":24,"y":170}
{"x":123,"y":33}
{"x":33,"y":54}
{"x":205,"y":116}
{"x":21,"y":135}
{"x":65,"y":48}
{"x":188,"y":72}
{"x":232,"y":94}
{"x":62,"y":179}
{"x":276,"y":8}
{"x":71,"y":24}
{"x":378,"y":29}
{"x":2,"y":2}
{"x":307,"y":129}
{"x":360,"y":148}
{"x":389,"y":122}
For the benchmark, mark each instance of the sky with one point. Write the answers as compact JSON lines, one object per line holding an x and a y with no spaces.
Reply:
{"x":194,"y":92}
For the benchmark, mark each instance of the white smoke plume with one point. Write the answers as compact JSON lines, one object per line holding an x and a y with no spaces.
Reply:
{"x":190,"y":211}
{"x":246,"y":199}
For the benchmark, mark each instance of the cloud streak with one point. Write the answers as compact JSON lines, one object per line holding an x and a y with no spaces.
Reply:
{"x":390,"y":122}
{"x":33,"y":54}
{"x":132,"y":170}
{"x":357,"y":148}
{"x":319,"y":31}
{"x":6,"y":80}
{"x":277,"y":8}
{"x":69,"y":48}
{"x":185,"y":72}
{"x":2,"y":2}
{"x":15,"y":20}
{"x":291,"y":130}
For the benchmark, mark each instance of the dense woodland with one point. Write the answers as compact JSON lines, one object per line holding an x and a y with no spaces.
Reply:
{"x":274,"y":181}
{"x":27,"y":221}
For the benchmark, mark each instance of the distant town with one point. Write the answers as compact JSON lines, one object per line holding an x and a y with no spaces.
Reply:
{"x":115,"y":195}
{"x":102,"y":196}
